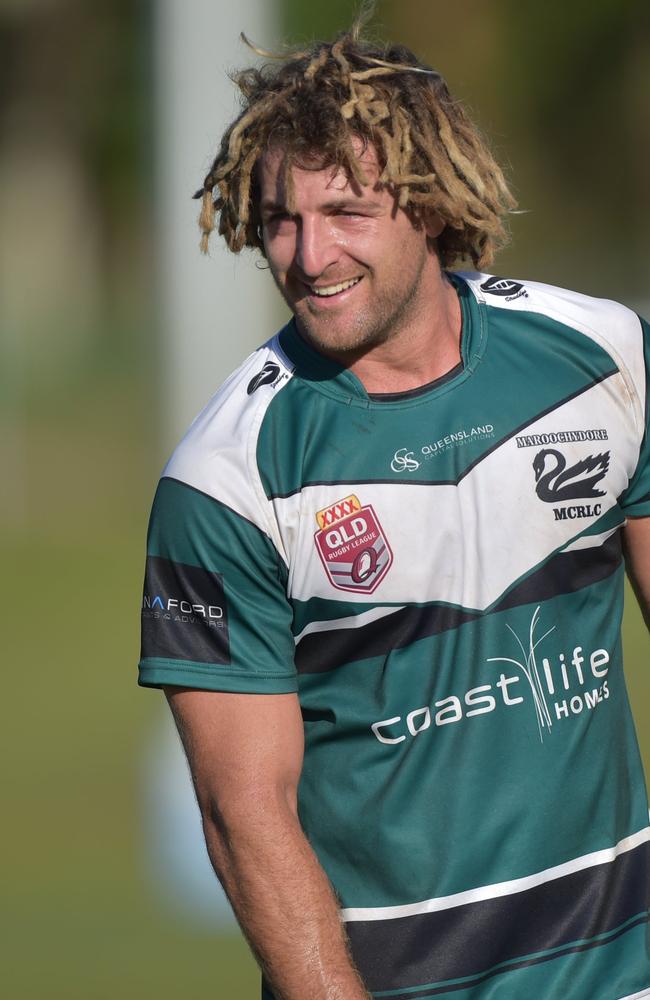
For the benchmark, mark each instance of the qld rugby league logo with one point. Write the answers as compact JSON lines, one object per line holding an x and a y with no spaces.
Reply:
{"x":352,"y":546}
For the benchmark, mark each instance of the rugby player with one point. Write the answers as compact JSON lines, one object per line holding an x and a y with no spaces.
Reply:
{"x":385,"y":567}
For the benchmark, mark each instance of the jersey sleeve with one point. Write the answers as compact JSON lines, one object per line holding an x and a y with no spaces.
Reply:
{"x":635,"y":502}
{"x":215,"y":614}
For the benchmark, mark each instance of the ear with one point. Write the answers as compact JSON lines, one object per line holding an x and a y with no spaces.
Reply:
{"x":433,"y":225}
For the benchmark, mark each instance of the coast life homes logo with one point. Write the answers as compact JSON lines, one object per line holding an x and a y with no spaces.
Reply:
{"x":553,"y":689}
{"x":352,"y":546}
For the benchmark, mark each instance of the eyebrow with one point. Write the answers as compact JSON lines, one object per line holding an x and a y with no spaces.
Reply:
{"x":335,"y":203}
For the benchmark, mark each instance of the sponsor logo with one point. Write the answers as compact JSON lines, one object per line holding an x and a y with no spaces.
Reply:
{"x":184,"y":613}
{"x":504,"y":287}
{"x":457,"y":438}
{"x":352,"y":546}
{"x":554,"y":689}
{"x":403,"y":461}
{"x":560,"y":437}
{"x":269,"y":375}
{"x":555,"y":481}
{"x":181,"y":610}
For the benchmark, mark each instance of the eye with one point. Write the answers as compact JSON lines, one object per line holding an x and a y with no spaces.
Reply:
{"x":274,"y":218}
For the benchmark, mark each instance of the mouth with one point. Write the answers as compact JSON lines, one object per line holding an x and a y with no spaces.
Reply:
{"x":334,"y":291}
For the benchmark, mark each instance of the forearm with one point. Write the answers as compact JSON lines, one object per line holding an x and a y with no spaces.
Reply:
{"x":283,"y":901}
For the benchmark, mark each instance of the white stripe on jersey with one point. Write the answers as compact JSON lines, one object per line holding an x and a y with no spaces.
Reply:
{"x":351,"y":621}
{"x":469,"y":540}
{"x":590,"y":541}
{"x":499,"y":888}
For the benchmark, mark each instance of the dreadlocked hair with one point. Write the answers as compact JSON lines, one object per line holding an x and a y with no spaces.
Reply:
{"x":312,"y":104}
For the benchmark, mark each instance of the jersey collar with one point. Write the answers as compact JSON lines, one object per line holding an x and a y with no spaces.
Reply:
{"x":333,"y":379}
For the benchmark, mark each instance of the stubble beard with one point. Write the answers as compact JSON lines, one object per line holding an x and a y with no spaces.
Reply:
{"x":359,"y":334}
{"x":367,"y":329}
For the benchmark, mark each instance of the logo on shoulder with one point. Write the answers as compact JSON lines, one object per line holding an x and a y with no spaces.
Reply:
{"x":352,"y":546}
{"x":504,"y":287}
{"x":555,"y":482}
{"x":269,"y":375}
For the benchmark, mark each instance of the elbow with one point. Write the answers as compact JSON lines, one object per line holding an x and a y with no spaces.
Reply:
{"x":234,"y":813}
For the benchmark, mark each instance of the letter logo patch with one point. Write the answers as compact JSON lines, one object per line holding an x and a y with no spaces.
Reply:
{"x":352,"y":546}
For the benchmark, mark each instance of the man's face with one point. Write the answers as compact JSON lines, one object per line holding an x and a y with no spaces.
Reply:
{"x":348,"y":261}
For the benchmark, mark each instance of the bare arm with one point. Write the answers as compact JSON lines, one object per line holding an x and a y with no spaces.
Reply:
{"x":245,"y":753}
{"x":636,"y":539}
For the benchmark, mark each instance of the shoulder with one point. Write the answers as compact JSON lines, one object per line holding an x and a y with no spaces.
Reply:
{"x":612,"y":326}
{"x":602,"y":319}
{"x":217,"y":454}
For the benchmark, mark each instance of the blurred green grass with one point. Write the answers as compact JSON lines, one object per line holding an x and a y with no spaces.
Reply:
{"x":79,"y":919}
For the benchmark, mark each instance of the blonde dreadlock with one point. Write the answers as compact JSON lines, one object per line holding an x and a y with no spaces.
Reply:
{"x":312,"y":103}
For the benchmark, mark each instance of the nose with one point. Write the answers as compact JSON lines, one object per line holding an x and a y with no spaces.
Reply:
{"x":316,"y":245}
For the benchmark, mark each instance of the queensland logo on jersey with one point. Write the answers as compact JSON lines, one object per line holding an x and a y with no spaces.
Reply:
{"x":552,"y":685}
{"x":352,"y":546}
{"x":269,"y":375}
{"x":555,"y":482}
{"x":404,"y":461}
{"x":504,"y":287}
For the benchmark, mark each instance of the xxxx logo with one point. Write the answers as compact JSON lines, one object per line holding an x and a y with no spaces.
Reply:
{"x":352,"y":546}
{"x":330,"y":515}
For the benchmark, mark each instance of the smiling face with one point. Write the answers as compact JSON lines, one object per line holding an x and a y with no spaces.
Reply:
{"x":350,"y":264}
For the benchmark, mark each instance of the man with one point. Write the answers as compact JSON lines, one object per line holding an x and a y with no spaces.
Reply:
{"x":384,"y":575}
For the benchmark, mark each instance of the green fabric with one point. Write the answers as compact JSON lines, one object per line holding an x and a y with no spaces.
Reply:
{"x":188,"y":527}
{"x":492,"y":756}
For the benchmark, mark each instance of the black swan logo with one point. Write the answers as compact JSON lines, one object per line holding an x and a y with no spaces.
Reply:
{"x":560,"y":483}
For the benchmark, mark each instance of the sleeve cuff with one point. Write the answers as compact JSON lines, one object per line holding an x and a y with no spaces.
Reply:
{"x":155,"y":674}
{"x":641,"y":509}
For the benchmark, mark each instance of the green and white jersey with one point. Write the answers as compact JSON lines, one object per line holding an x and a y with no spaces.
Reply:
{"x":439,"y":575}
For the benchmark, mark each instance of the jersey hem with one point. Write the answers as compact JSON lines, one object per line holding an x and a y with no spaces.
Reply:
{"x":637,"y":510}
{"x":177,"y":674}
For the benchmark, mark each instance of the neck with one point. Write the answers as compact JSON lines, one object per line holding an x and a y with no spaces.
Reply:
{"x":423,"y":347}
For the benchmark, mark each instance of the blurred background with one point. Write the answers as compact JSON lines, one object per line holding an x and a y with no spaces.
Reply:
{"x":114,"y":331}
